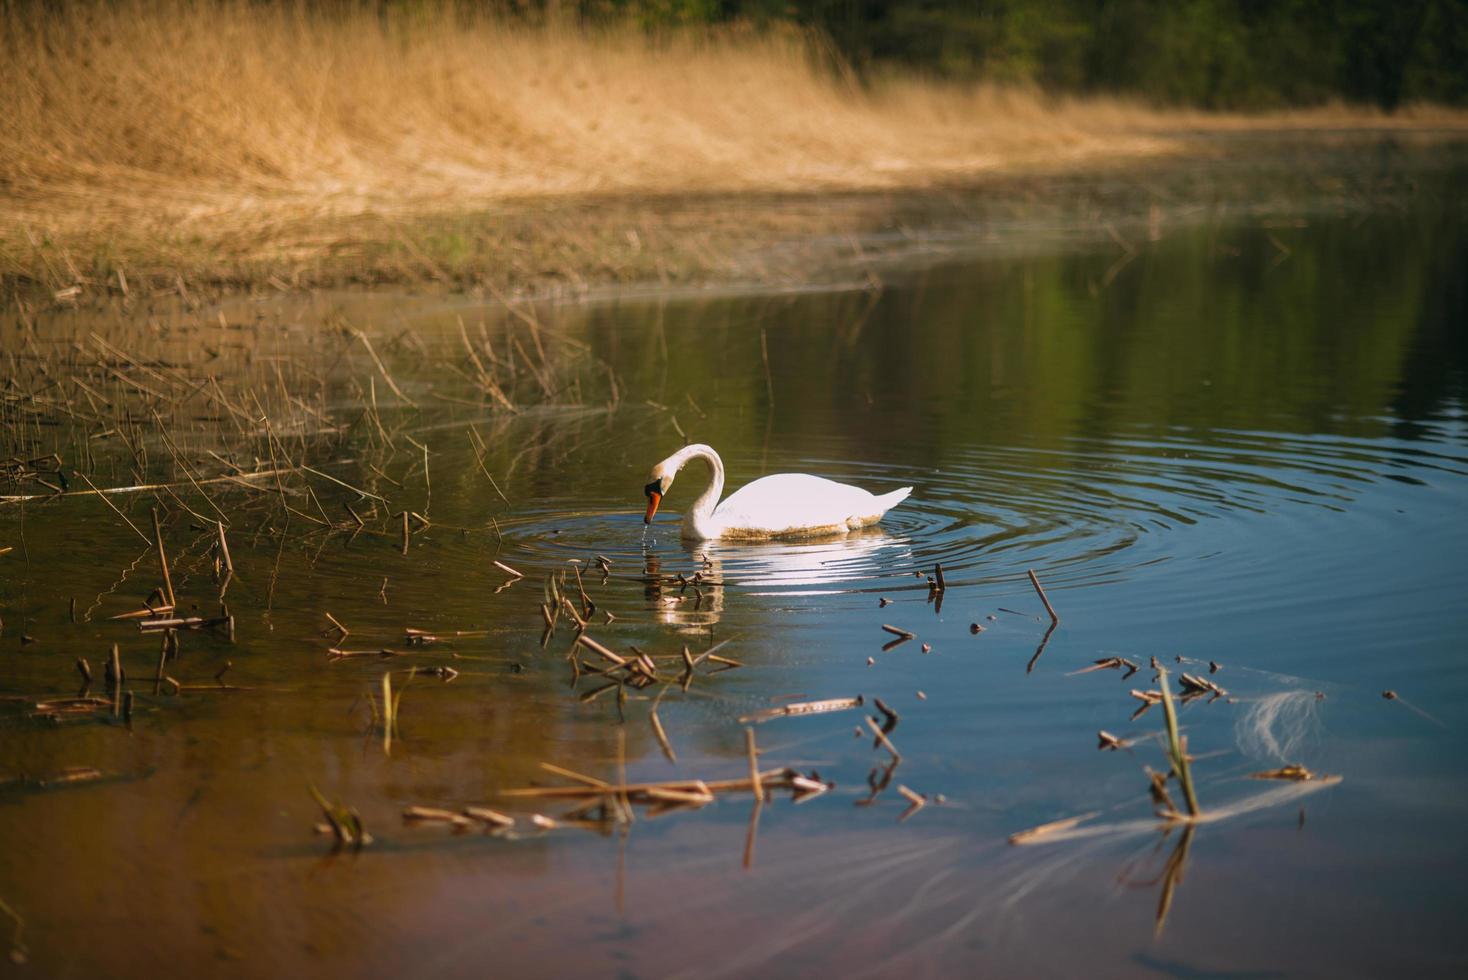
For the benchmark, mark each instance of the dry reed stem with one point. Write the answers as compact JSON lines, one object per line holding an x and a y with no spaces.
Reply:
{"x":753,"y":832}
{"x":916,"y":801}
{"x":882,"y":738}
{"x":229,"y":564}
{"x":1294,"y":772}
{"x":367,"y":343}
{"x":624,"y":805}
{"x":341,"y":483}
{"x":435,"y":815}
{"x":485,"y":815}
{"x":1177,"y":746}
{"x":686,"y":797}
{"x":341,"y":630}
{"x":600,"y":650}
{"x":163,"y":560}
{"x":753,"y":753}
{"x":1054,"y":619}
{"x":657,"y":727}
{"x":1036,"y":834}
{"x":770,"y":777}
{"x":103,"y":497}
{"x":578,"y":777}
{"x":1172,"y":876}
{"x":240,"y":479}
{"x":662,"y":736}
{"x":802,"y":708}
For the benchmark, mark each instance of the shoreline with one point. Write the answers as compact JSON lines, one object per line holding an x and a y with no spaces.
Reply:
{"x":575,"y":244}
{"x":264,"y":146}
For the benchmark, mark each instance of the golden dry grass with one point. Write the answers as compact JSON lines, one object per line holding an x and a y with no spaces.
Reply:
{"x":257,"y":131}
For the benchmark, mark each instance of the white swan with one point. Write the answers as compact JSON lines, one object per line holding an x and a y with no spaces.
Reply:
{"x":786,"y":505}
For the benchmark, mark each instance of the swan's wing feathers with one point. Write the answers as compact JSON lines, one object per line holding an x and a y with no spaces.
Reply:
{"x":798,"y":501}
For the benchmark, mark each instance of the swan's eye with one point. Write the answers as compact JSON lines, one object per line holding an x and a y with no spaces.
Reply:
{"x":656,"y":486}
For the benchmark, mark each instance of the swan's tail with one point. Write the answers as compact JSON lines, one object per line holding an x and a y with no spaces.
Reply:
{"x":880,"y":506}
{"x":889,"y":500}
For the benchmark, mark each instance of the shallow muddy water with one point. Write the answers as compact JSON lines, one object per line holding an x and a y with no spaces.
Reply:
{"x":1215,"y":432}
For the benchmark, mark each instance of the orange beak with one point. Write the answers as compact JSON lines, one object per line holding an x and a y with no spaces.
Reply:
{"x":653,"y":499}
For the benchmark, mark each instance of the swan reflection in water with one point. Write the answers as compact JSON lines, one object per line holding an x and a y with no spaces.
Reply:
{"x":685,"y":588}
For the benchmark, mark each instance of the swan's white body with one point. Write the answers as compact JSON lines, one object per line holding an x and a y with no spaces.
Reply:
{"x":786,"y":505}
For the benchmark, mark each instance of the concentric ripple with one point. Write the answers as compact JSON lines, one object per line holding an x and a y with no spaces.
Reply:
{"x":1087,"y":511}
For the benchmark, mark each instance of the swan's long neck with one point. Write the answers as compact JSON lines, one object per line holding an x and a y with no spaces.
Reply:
{"x":700,"y":515}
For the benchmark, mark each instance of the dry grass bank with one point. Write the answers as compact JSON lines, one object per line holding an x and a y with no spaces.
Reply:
{"x":223,"y":136}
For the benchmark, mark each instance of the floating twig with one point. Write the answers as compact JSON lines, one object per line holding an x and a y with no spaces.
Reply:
{"x":1294,"y":771}
{"x":1036,"y":834}
{"x":1110,"y":663}
{"x":801,"y":708}
{"x":917,"y":801}
{"x":1200,"y":685}
{"x":342,"y":631}
{"x":487,"y":816}
{"x":430,"y":814}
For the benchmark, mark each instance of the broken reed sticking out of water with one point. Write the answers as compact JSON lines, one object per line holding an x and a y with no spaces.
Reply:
{"x":1177,"y":753}
{"x":1175,"y":747}
{"x":213,"y":408}
{"x":600,"y":804}
{"x":220,"y":427}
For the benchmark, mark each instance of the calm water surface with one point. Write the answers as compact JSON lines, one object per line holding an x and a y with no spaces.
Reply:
{"x":1217,"y":430}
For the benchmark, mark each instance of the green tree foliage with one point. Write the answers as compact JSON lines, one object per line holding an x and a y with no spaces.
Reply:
{"x":1210,"y":53}
{"x":1220,"y":54}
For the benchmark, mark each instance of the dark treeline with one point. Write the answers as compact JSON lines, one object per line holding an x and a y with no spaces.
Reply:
{"x":1216,"y":54}
{"x":1212,"y":54}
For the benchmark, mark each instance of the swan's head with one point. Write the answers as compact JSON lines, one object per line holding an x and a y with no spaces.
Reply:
{"x":662,"y":481}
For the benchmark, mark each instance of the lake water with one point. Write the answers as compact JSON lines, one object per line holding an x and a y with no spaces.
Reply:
{"x":1218,"y":410}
